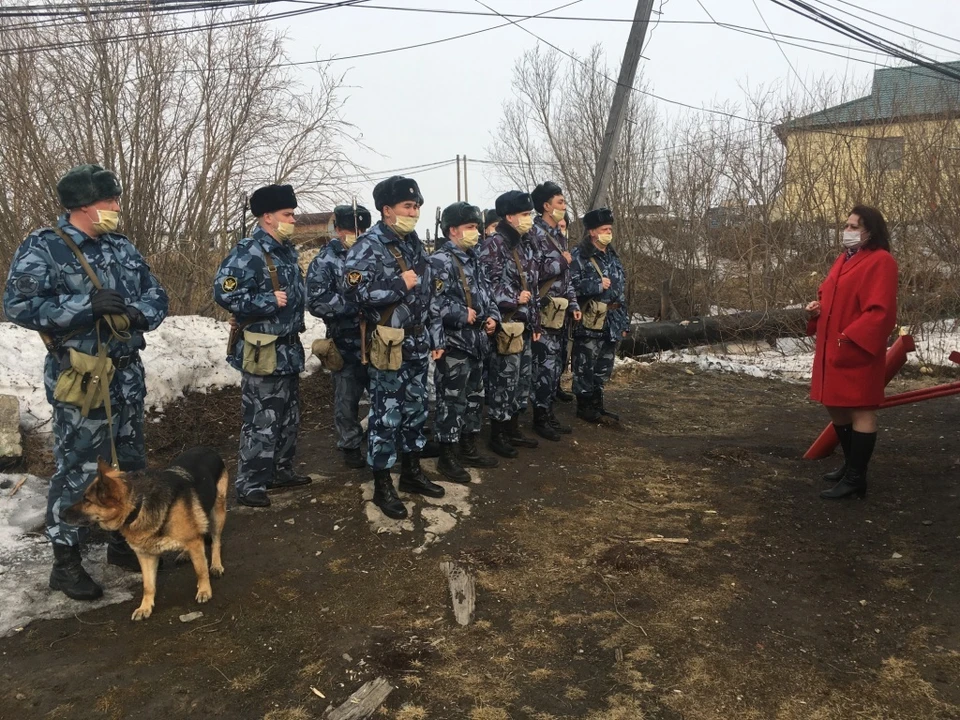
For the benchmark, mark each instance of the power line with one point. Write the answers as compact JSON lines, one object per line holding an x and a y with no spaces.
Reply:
{"x":902,"y":22}
{"x":885,"y":27}
{"x":780,"y":47}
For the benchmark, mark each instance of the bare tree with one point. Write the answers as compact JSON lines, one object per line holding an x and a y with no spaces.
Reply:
{"x":189,"y":121}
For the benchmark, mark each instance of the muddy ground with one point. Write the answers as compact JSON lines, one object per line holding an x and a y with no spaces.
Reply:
{"x":781,"y":605}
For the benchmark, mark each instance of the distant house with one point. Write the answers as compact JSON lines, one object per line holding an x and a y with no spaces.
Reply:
{"x":314,"y":228}
{"x":865,"y":149}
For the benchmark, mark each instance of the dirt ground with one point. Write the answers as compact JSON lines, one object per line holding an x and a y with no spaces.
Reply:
{"x":781,"y":605}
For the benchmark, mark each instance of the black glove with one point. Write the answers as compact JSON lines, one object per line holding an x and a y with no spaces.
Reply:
{"x":107,"y":302}
{"x":137,"y":320}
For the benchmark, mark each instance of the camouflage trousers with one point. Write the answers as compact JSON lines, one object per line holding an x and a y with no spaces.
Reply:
{"x":564,"y":349}
{"x":547,"y":366}
{"x":398,"y":412}
{"x":77,"y":444}
{"x":459,"y":378}
{"x":349,"y":385}
{"x":509,"y":380}
{"x":592,"y":363}
{"x":270,"y":408}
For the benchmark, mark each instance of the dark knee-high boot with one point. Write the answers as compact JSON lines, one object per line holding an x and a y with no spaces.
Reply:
{"x":843,"y":434}
{"x":854,"y":482}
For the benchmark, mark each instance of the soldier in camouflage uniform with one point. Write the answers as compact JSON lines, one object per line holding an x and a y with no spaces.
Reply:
{"x":326,"y":300}
{"x":48,"y":290}
{"x":511,"y":264}
{"x":597,"y":275}
{"x":561,"y":394}
{"x":375,"y":279}
{"x":268,"y":302}
{"x":490,"y":221}
{"x":555,"y":282}
{"x":465,"y":303}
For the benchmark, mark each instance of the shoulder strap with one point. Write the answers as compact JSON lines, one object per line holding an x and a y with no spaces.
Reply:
{"x":545,"y":287}
{"x":272,"y":269}
{"x":398,"y":256}
{"x":596,"y":265}
{"x":523,"y":275}
{"x":463,"y":281}
{"x":83,"y":261}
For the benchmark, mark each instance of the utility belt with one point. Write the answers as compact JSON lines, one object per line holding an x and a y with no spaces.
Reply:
{"x":291,"y":339}
{"x":120,"y":362}
{"x":413,"y":330}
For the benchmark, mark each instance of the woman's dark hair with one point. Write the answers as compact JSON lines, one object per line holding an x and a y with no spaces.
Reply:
{"x":873,"y":222}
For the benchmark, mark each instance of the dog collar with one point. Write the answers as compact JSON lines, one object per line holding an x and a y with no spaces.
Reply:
{"x":134,"y":514}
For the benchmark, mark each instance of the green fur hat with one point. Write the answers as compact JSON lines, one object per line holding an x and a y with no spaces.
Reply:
{"x":85,"y":185}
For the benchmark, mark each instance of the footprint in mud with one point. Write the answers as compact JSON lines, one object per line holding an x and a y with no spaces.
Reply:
{"x":433,"y":517}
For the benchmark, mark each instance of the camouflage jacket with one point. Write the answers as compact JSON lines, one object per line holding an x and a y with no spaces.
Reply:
{"x":372,"y":281}
{"x":49,"y":291}
{"x":325,"y":296}
{"x":551,"y":244}
{"x":589,"y":286}
{"x":496,"y":254}
{"x":451,"y":299}
{"x":243,"y":287}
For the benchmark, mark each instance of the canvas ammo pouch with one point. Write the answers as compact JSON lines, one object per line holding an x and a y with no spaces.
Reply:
{"x":510,"y":338}
{"x":259,"y":353}
{"x":594,"y":315}
{"x":326,"y":350}
{"x":386,"y":348}
{"x":86,"y":383}
{"x":554,"y":312}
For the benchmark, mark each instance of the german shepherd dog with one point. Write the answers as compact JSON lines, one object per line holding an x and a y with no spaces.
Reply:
{"x":158,"y":511}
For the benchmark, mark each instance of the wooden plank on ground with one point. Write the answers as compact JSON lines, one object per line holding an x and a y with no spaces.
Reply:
{"x":364,"y":702}
{"x":462,"y":592}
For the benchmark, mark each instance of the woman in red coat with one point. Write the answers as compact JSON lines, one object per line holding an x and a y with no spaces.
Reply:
{"x":853,"y":317}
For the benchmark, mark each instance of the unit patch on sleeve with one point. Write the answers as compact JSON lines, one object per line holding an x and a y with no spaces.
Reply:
{"x":229,"y":284}
{"x":438,"y":285}
{"x":27,"y":284}
{"x":354,"y":277}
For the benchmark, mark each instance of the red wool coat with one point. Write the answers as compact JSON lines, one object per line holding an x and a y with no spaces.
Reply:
{"x":858,"y":311}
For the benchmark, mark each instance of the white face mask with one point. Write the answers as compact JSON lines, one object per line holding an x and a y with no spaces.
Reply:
{"x":470,"y":238}
{"x":851,"y":238}
{"x":107,"y":221}
{"x":404,"y":225}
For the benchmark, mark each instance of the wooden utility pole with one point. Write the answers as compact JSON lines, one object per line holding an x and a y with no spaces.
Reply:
{"x":458,"y":178}
{"x":621,"y":100}
{"x":466,"y":195}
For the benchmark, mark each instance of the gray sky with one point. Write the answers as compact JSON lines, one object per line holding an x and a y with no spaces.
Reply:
{"x":426,"y":105}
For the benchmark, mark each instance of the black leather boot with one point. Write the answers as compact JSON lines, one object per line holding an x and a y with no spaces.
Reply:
{"x":412,"y":479}
{"x":586,"y":409}
{"x":69,"y":577}
{"x":555,"y":424}
{"x":542,"y":426}
{"x":498,"y":440}
{"x":515,"y":437}
{"x":119,"y":553}
{"x":449,"y":464}
{"x":563,"y":396}
{"x":431,"y":449}
{"x":285,"y":479}
{"x":843,"y":434}
{"x":854,"y":481}
{"x":598,"y":404}
{"x":470,"y":455}
{"x":353,"y":458}
{"x":385,"y":496}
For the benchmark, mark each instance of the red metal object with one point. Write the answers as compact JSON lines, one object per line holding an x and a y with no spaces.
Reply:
{"x":938,"y":391}
{"x":955,"y":357}
{"x":824,"y":445}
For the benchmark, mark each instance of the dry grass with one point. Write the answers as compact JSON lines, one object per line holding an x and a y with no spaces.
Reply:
{"x":247,"y":681}
{"x":411,"y":712}
{"x":294,"y":713}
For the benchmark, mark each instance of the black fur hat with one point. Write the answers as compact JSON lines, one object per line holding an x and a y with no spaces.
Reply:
{"x":598,"y":218}
{"x":343,"y":218}
{"x":85,"y":185}
{"x":460,"y":213}
{"x":513,"y":202}
{"x":490,"y":216}
{"x":271,"y":198}
{"x":396,"y":189}
{"x":544,"y":192}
